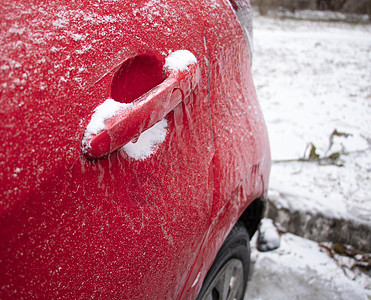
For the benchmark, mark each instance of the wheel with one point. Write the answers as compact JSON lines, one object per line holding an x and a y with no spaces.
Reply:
{"x":227,"y":277}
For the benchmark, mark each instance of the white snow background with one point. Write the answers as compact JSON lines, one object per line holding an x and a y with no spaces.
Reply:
{"x":313,"y":78}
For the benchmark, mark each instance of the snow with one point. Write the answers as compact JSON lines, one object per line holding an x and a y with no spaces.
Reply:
{"x":302,"y":269}
{"x":148,"y":141}
{"x":312,"y":78}
{"x":108,"y":109}
{"x":77,"y":37}
{"x":84,"y":49}
{"x":268,"y":238}
{"x":180,"y":60}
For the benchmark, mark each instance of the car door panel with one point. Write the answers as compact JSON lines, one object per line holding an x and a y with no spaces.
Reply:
{"x":242,"y":156}
{"x":239,"y":131}
{"x":115,"y":227}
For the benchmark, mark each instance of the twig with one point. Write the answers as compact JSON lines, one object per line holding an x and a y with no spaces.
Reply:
{"x":330,"y":159}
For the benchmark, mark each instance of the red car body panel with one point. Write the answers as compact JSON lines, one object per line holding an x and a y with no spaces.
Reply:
{"x":240,"y":173}
{"x":118,"y":227}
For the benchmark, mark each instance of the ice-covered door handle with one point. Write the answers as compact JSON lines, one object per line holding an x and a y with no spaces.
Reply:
{"x":181,"y":77}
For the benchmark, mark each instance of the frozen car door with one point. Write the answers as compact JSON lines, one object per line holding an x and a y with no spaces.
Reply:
{"x":128,"y":225}
{"x":242,"y":155}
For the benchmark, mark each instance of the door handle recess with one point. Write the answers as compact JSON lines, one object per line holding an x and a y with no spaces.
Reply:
{"x":144,"y":112}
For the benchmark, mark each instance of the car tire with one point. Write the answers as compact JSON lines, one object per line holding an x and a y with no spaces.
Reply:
{"x":227,"y":277}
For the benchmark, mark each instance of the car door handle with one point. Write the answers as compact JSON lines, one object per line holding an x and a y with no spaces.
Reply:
{"x":144,"y":112}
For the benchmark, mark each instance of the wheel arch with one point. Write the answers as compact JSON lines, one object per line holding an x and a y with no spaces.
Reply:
{"x":253,"y":214}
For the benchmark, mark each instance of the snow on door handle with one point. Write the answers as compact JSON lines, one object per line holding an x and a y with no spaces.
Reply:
{"x":145,"y":111}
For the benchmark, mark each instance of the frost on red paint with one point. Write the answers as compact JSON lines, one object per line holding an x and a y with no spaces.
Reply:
{"x":122,"y":226}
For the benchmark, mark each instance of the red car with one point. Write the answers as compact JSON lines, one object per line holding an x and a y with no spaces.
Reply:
{"x":134,"y":160}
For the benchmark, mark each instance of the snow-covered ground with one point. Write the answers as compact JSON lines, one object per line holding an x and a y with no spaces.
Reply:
{"x":302,"y":269}
{"x":313,"y":80}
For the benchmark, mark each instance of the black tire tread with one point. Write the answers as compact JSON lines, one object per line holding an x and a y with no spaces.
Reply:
{"x":236,"y":245}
